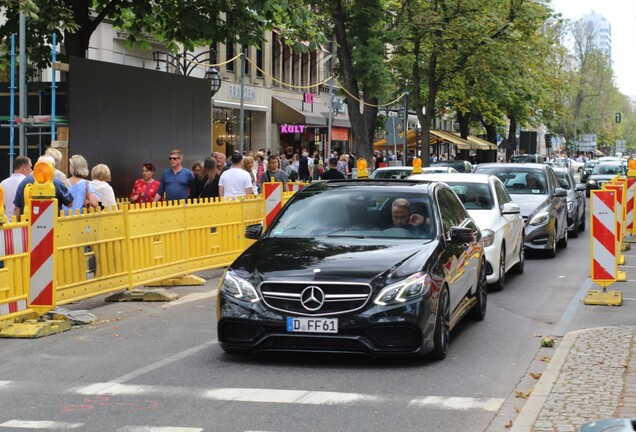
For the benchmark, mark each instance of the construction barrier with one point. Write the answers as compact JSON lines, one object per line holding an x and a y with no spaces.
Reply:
{"x":14,"y":270}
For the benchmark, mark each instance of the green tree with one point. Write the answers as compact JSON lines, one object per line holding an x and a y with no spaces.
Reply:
{"x":180,"y":25}
{"x":358,"y":31}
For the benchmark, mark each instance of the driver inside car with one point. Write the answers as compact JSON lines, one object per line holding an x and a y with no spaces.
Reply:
{"x":403,"y":217}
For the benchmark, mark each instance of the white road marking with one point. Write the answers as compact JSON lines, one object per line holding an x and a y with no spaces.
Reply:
{"x":112,"y":388}
{"x":157,"y":429}
{"x":191,"y":297}
{"x":4,"y":383}
{"x":32,"y":424}
{"x":151,"y":367}
{"x":287,"y":396}
{"x":458,"y":403}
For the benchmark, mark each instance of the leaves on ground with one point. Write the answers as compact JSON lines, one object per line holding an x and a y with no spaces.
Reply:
{"x":535,"y":375}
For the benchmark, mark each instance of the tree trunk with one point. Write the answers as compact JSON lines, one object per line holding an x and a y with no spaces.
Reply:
{"x":512,"y":137}
{"x":76,"y":44}
{"x":362,"y":123}
{"x":464,"y":123}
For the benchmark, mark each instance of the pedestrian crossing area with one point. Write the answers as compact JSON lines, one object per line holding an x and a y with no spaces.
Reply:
{"x":115,"y":395}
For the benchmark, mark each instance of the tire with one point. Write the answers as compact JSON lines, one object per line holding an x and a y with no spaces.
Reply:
{"x":441,"y":335}
{"x":520,"y":266}
{"x":478,"y":312}
{"x":501,"y":282}
{"x":575,"y":232}
{"x":582,"y":224}
{"x":563,"y":243}
{"x":551,"y":253}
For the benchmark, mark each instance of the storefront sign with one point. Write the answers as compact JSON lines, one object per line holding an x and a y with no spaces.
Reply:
{"x":292,"y":129}
{"x":234,"y":92}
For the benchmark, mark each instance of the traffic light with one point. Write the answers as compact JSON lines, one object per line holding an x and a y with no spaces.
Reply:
{"x":617,"y":117}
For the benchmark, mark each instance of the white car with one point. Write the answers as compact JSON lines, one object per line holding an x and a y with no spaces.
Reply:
{"x":499,"y":219}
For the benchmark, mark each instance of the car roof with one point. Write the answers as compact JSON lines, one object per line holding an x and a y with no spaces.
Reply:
{"x":562,"y":169}
{"x":513,"y":165}
{"x":401,"y":167}
{"x":452,"y":177}
{"x":398,"y":184}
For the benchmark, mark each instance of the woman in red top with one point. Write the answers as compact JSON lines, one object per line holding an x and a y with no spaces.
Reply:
{"x":146,"y":187}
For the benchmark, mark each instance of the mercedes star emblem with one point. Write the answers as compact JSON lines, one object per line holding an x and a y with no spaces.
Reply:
{"x":312,"y":298}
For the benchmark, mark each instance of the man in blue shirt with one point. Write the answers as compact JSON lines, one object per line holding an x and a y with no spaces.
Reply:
{"x":176,"y":181}
{"x":62,"y":193}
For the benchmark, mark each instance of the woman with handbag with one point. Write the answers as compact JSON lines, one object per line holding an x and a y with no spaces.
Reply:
{"x":206,"y":184}
{"x":83,"y":191}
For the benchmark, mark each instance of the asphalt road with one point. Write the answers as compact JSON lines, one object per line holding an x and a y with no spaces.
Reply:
{"x":158,"y":367}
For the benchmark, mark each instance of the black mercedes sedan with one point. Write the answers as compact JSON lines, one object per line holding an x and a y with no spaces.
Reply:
{"x":380,"y":267}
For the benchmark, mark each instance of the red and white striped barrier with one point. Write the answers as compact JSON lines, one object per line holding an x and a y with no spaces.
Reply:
{"x":629,"y":205}
{"x":618,"y":188}
{"x":14,"y":241}
{"x":42,"y":247}
{"x":603,"y":247}
{"x":273,"y":200}
{"x":294,"y":186}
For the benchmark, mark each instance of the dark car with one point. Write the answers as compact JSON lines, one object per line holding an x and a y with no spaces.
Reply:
{"x":536,"y":189}
{"x":575,"y":199}
{"x":527,"y":158}
{"x":335,"y":273}
{"x":587,"y":169}
{"x":461,"y":166}
{"x":602,"y":173}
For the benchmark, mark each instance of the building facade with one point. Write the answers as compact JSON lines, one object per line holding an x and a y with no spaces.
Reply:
{"x":602,"y":32}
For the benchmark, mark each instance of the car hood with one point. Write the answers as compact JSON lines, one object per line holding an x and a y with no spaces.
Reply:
{"x":598,"y":177}
{"x":529,"y":203}
{"x":486,"y":219}
{"x":350,"y":259}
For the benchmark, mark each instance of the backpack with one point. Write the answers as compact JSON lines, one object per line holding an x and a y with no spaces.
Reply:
{"x":293,"y":175}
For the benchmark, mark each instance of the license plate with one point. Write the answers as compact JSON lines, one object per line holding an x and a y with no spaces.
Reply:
{"x":312,"y":325}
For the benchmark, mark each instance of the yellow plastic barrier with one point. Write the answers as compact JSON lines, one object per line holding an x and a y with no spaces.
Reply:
{"x":91,"y":255}
{"x":14,"y":270}
{"x":157,"y":242}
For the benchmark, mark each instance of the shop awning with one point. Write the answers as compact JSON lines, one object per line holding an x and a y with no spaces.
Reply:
{"x":481,"y":144}
{"x":286,"y":110}
{"x":438,"y":137}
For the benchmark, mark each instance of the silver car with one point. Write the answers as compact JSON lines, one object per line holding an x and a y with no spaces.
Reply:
{"x":543,"y":202}
{"x":576,"y":201}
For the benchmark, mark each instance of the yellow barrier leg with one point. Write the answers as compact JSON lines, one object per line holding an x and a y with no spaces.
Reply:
{"x":604,"y":298}
{"x":33,"y":328}
{"x":621,"y":260}
{"x":189,"y":280}
{"x":621,"y":276}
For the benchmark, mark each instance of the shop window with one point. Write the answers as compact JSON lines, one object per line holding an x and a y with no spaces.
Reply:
{"x":259,"y":61}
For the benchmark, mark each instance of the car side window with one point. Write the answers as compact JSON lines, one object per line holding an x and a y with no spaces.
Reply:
{"x":502,"y":195}
{"x":553,"y":182}
{"x":451,"y":210}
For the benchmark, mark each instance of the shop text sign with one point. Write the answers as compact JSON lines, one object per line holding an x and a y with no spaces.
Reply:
{"x":234,"y":92}
{"x":292,"y":129}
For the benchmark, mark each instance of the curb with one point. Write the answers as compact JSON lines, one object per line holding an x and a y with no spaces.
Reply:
{"x":531,"y":409}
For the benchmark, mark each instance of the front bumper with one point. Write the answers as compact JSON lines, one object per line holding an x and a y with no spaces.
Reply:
{"x":493,"y":254}
{"x":540,"y":237}
{"x":377,"y":330}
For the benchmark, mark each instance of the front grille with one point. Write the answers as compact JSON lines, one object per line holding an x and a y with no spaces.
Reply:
{"x":339,"y":298}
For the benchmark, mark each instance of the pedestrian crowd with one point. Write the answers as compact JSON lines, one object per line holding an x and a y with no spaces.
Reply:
{"x":242,"y":175}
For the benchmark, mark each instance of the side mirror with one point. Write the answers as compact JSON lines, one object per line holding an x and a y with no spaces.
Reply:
{"x":254,"y":232}
{"x":462,"y":235}
{"x":580,"y":187}
{"x":560,"y":192}
{"x":510,"y":208}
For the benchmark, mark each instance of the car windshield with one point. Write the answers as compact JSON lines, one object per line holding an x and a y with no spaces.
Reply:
{"x":356,"y":212}
{"x":518,"y":180}
{"x":523,"y":158}
{"x":564,"y":180}
{"x":397,"y":173}
{"x":607,"y":169}
{"x":474,"y":196}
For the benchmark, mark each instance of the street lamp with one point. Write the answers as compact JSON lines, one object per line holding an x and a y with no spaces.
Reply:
{"x":184,"y":63}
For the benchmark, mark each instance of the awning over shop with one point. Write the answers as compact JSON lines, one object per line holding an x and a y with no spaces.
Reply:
{"x":439,"y":137}
{"x":481,"y":144}
{"x":286,"y":110}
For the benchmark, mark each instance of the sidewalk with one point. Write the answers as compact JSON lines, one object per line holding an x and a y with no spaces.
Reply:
{"x":590,"y":376}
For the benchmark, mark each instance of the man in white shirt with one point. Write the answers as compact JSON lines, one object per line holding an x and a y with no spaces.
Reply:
{"x":21,"y":168}
{"x":236,"y":181}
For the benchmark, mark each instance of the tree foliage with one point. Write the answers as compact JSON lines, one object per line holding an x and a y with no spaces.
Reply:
{"x":178,"y":24}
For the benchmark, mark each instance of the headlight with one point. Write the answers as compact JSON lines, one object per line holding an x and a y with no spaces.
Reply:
{"x":487,"y":237}
{"x":591,"y":182}
{"x":570,"y":205}
{"x":238,"y":287}
{"x":412,"y":287}
{"x":540,"y":218}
